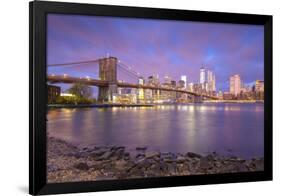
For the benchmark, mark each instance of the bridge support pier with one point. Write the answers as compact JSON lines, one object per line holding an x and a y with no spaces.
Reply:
{"x":108,"y":72}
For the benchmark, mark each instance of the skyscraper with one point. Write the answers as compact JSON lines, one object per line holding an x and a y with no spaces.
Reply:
{"x":207,"y":80}
{"x":202,"y":75}
{"x":209,"y":76}
{"x":184,"y":78}
{"x":235,"y":84}
{"x":214,"y":83}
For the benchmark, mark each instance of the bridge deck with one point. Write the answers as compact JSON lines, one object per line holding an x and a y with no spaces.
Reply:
{"x":101,"y":83}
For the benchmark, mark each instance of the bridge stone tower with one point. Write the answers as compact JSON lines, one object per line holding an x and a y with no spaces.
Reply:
{"x":108,"y":72}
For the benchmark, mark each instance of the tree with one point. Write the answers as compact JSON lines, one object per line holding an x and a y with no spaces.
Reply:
{"x":81,"y":90}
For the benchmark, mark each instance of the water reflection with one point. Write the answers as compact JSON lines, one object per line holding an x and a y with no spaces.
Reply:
{"x":225,"y":128}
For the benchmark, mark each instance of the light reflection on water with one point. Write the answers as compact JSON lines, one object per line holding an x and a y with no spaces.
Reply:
{"x":225,"y":128}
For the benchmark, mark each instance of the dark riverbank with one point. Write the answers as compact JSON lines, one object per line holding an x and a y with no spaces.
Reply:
{"x":66,"y":163}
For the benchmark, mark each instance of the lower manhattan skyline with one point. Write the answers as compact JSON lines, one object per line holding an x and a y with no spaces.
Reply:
{"x":173,"y":48}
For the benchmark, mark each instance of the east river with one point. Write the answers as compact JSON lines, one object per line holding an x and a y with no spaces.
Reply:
{"x":227,"y":128}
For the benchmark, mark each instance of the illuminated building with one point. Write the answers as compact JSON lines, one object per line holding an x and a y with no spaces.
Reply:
{"x":202,"y":75}
{"x":207,"y":80}
{"x":167,"y":79}
{"x":190,"y":87}
{"x":259,"y":86}
{"x":184,"y":78}
{"x":181,"y":84}
{"x":53,"y":93}
{"x":235,"y":84}
{"x":153,"y":80}
{"x":220,"y":95}
{"x":141,"y":91}
{"x":227,"y":96}
{"x":173,"y":83}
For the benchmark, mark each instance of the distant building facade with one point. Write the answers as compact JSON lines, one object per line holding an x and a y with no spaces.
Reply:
{"x":53,"y":93}
{"x":184,"y":78}
{"x":235,"y":84}
{"x":207,"y":80}
{"x":259,"y":86}
{"x":202,"y":75}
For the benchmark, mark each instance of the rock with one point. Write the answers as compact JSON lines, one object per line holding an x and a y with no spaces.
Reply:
{"x":172,"y":168}
{"x":126,"y":156}
{"x":144,"y":164}
{"x":105,"y":156}
{"x":96,"y":153}
{"x":120,"y":165}
{"x":138,"y":161}
{"x":156,"y":158}
{"x":82,"y":166}
{"x":210,"y":157}
{"x":149,"y":155}
{"x":117,"y":148}
{"x":205,"y":163}
{"x":140,"y":155}
{"x":168,"y":160}
{"x":180,"y":159}
{"x":118,"y":154}
{"x":241,"y":167}
{"x":163,"y":166}
{"x":257,"y":164}
{"x":193,"y":155}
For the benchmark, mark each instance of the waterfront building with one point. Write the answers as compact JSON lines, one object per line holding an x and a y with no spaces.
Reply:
{"x":66,"y":95}
{"x":235,"y":84}
{"x":141,"y":96}
{"x":259,"y":90}
{"x":125,"y":95}
{"x":227,"y":96}
{"x":220,"y":95}
{"x":53,"y":93}
{"x":259,"y":86}
{"x":148,"y":96}
{"x":154,"y":81}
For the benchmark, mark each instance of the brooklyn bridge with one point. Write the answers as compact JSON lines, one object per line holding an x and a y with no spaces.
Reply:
{"x":108,"y":84}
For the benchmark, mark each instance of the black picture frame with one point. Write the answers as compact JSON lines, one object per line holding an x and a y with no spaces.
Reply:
{"x":38,"y":107}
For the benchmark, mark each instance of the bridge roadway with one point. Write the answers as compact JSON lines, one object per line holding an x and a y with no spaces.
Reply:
{"x":100,"y":83}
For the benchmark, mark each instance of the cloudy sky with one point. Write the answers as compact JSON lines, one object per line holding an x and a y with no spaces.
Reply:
{"x":163,"y":47}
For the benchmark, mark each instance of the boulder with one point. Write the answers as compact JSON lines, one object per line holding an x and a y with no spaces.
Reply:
{"x":149,"y":155}
{"x":193,"y":155}
{"x":82,"y":166}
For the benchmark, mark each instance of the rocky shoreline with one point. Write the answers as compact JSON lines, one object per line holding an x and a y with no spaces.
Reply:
{"x":68,"y":163}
